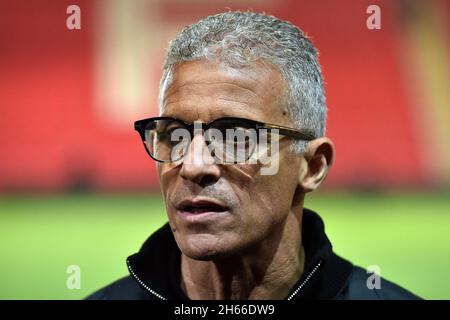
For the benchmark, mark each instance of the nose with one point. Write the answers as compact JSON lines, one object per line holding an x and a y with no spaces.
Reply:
{"x":198,"y":164}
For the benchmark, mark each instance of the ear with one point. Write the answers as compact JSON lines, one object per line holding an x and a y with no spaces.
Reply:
{"x":318,"y":159}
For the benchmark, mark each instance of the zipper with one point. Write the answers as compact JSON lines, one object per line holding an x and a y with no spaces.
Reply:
{"x":313,"y":271}
{"x":305,"y":281}
{"x":143,"y":284}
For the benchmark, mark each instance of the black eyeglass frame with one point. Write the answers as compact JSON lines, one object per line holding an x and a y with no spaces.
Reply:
{"x":140,"y":126}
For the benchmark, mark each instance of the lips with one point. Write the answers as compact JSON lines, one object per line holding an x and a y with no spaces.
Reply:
{"x":201,"y":206}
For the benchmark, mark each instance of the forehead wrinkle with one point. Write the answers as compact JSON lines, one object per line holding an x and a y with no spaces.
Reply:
{"x":236,"y":95}
{"x":220,"y":108}
{"x":252,"y":78}
{"x":217,"y":102}
{"x":219,"y":94}
{"x":189,"y":83}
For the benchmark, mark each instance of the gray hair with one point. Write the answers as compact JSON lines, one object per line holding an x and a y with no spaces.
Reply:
{"x":240,"y":38}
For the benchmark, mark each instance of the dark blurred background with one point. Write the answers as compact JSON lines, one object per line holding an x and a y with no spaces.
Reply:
{"x":76,"y":187}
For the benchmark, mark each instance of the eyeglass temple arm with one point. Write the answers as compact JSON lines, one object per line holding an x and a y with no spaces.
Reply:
{"x":294,"y":133}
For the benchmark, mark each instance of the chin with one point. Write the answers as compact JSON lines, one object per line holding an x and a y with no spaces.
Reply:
{"x":204,"y":248}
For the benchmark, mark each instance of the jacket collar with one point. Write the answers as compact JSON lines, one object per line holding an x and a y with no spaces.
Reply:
{"x":324,"y":276}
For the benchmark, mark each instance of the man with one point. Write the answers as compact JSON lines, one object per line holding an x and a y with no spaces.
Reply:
{"x":241,"y":93}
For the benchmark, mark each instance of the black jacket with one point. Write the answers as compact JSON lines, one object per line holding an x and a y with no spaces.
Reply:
{"x":155,"y":271}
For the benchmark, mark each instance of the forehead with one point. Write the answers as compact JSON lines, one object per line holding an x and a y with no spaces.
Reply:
{"x":204,"y":90}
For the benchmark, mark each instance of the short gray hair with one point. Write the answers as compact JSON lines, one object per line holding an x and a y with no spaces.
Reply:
{"x":240,"y":38}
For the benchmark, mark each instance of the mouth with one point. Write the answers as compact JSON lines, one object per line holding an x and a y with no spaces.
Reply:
{"x":201,"y":206}
{"x":201,"y":209}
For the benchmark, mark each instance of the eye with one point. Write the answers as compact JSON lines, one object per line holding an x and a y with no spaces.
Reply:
{"x":166,"y":129}
{"x":171,"y":129}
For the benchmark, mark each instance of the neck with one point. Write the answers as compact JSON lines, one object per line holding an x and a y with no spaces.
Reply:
{"x":268,"y":270}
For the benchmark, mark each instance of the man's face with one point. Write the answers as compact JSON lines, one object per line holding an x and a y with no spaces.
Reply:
{"x":218,"y":210}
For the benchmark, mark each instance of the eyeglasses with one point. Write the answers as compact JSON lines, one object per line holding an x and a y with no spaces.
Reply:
{"x":229,"y":139}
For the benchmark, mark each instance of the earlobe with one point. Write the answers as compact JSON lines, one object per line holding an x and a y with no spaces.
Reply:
{"x":317,"y":161}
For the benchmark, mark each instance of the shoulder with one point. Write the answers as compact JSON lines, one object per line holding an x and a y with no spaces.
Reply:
{"x":357,"y":288}
{"x":123,"y":289}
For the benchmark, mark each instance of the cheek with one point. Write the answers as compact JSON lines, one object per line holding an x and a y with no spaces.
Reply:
{"x":265,"y":202}
{"x":276,"y":192}
{"x":167,"y":176}
{"x":168,"y":183}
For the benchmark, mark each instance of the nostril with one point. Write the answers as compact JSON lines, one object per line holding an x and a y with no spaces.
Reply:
{"x":207,"y":181}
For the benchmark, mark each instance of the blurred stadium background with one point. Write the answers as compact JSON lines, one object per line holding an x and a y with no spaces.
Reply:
{"x":76,"y":187}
